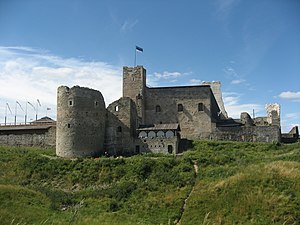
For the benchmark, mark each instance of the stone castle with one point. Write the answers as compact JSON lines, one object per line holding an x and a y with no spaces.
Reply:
{"x":147,"y":119}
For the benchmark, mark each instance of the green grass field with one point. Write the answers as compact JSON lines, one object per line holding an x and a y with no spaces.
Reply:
{"x":236,"y":183}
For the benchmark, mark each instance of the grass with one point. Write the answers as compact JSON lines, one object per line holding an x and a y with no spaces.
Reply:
{"x":135,"y":190}
{"x":245,"y":183}
{"x":237,"y":183}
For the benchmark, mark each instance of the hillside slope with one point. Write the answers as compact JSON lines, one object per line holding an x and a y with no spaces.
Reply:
{"x":245,"y":183}
{"x":236,"y":183}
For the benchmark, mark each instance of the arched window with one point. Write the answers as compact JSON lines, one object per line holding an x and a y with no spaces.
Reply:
{"x":151,"y":134}
{"x":116,"y":108}
{"x":200,"y":107}
{"x":142,"y":134}
{"x":157,"y":108}
{"x":180,"y":107}
{"x":169,"y":134}
{"x":119,"y":129}
{"x":160,"y":134}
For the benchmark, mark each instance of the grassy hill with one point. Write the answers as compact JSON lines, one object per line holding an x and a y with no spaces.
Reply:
{"x":213,"y":183}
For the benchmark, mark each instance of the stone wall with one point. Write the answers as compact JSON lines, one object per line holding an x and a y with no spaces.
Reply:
{"x":158,"y":145}
{"x":121,"y":127}
{"x":81,"y":117}
{"x":247,"y":133}
{"x":261,"y":121}
{"x":162,"y":106}
{"x":29,"y":137}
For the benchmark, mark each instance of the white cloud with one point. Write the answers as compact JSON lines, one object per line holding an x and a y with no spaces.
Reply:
{"x":195,"y":81}
{"x":28,"y":74}
{"x":235,"y":77}
{"x":171,"y":77}
{"x":167,"y":75}
{"x":224,"y":8}
{"x":231,"y":73}
{"x":289,"y":95}
{"x":237,"y":81}
{"x":128,"y":25}
{"x":53,"y":72}
{"x":234,"y":108}
{"x":292,"y":115}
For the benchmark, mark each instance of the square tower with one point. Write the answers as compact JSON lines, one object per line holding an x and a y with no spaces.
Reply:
{"x":134,"y":87}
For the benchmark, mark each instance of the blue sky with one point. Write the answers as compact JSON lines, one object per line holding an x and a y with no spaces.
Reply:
{"x":252,"y":47}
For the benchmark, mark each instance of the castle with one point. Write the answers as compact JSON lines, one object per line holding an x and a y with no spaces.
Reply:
{"x":147,"y":119}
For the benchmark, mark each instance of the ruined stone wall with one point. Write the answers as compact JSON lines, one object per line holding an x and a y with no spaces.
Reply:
{"x":121,"y":127}
{"x":162,"y":107}
{"x":247,"y":133}
{"x":246,"y":119}
{"x":273,"y":114}
{"x":81,"y":116}
{"x":261,"y":121}
{"x":292,"y":136}
{"x":36,"y":138}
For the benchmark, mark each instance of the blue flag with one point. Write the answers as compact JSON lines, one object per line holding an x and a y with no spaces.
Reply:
{"x":139,"y":49}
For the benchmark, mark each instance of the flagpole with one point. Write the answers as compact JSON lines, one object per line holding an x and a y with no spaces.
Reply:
{"x":5,"y":114}
{"x":26,"y":112}
{"x":37,"y":106}
{"x":16,"y":113}
{"x":134,"y":56}
{"x":36,"y":111}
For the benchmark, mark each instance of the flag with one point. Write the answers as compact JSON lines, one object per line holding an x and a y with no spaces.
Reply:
{"x":8,"y":108}
{"x":139,"y":49}
{"x":39,"y":102}
{"x":20,"y":105}
{"x":31,"y":105}
{"x":48,"y":108}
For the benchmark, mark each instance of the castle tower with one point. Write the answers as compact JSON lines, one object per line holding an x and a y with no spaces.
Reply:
{"x":134,"y":85}
{"x":216,"y":89}
{"x":273,"y":114}
{"x":80,"y":125}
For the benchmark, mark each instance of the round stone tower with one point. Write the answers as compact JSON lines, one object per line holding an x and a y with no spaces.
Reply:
{"x":80,"y":127}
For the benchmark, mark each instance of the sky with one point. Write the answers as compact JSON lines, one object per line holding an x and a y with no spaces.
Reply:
{"x":251,"y":47}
